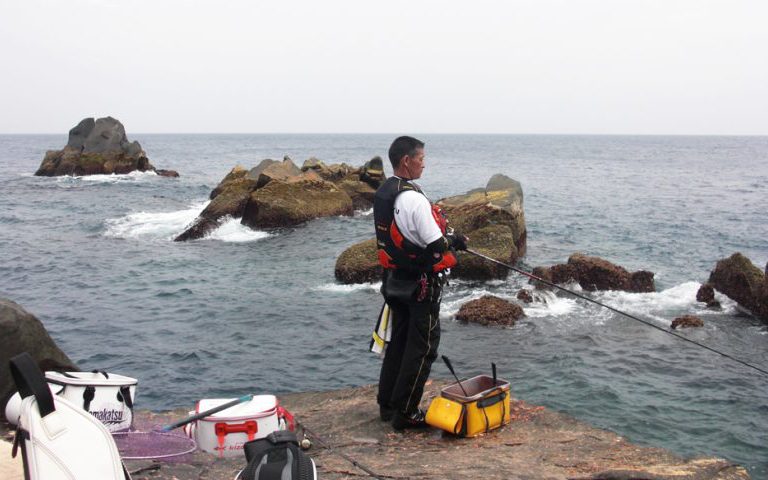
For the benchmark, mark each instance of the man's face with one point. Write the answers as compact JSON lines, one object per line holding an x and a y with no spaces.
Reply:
{"x":414,"y":165}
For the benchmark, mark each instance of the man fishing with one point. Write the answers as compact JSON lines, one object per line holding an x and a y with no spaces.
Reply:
{"x":416,"y":252}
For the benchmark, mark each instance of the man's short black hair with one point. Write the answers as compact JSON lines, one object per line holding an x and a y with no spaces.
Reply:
{"x":401,"y":147}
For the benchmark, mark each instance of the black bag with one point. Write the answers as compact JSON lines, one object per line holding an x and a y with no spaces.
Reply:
{"x":277,"y":457}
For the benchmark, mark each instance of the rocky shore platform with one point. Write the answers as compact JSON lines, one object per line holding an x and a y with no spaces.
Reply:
{"x":537,"y":444}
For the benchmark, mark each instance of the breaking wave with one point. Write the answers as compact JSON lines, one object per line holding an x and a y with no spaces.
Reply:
{"x":159,"y":225}
{"x":231,"y":230}
{"x":167,"y":225}
{"x":339,"y":288}
{"x":111,"y":178}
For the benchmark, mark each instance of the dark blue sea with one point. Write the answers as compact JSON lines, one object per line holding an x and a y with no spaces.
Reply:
{"x":245,"y":311}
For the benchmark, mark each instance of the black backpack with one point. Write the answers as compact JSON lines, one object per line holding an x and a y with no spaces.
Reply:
{"x":277,"y":457}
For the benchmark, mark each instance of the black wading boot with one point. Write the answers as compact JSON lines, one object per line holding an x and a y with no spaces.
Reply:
{"x":401,"y":421}
{"x":386,"y":413}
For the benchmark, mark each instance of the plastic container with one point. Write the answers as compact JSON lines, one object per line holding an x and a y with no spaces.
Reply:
{"x":484,"y":406}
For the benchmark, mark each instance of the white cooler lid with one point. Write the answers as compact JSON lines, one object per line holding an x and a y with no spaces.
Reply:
{"x":89,"y":378}
{"x":259,"y":405}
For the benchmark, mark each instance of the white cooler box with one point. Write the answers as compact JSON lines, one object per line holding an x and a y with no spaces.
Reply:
{"x":225,"y":432}
{"x":107,"y":396}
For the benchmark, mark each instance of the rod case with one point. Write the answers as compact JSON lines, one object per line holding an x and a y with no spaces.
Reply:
{"x":483,"y":408}
{"x":277,"y":457}
{"x":58,"y":439}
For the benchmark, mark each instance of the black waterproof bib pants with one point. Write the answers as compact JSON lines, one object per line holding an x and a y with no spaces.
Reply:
{"x":413,"y":346}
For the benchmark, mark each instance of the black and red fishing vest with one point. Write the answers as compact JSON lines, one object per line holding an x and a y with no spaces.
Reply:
{"x":394,"y":250}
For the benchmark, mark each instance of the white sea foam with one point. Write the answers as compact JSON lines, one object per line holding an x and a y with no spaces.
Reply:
{"x":231,"y":230}
{"x":656,"y":305}
{"x":167,"y":225}
{"x":547,"y":304}
{"x":153,"y":224}
{"x":364,"y":213}
{"x":338,"y":288}
{"x":112,"y":178}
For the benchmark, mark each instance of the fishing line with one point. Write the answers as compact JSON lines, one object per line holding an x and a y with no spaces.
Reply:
{"x":346,"y":457}
{"x":528,"y":274}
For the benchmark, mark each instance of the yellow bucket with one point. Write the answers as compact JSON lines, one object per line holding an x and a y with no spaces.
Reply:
{"x":483,"y":408}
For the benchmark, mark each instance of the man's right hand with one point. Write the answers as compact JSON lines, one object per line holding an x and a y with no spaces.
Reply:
{"x":457,"y":241}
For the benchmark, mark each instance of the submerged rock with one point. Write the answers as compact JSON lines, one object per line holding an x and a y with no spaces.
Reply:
{"x":706,"y":293}
{"x":687,"y":321}
{"x":20,"y":331}
{"x":492,"y":218}
{"x":525,"y":296}
{"x":279,"y":194}
{"x":359,"y":264}
{"x":739,"y":279}
{"x":594,"y":273}
{"x":98,"y":147}
{"x":490,"y":310}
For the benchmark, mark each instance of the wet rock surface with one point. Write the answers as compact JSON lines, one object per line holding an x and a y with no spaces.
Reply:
{"x":537,"y":444}
{"x":277,"y":194}
{"x":492,"y":218}
{"x":739,"y":279}
{"x":20,"y":331}
{"x":594,"y":273}
{"x":98,"y":147}
{"x":687,"y":321}
{"x":706,"y":293}
{"x":525,"y":296}
{"x":490,"y":310}
{"x":359,"y":264}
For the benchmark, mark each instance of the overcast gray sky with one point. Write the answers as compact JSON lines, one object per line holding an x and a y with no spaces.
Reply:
{"x":533,"y":66}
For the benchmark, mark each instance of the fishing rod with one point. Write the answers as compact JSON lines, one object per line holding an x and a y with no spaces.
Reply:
{"x":211,"y":411}
{"x":583,"y":297}
{"x":323,"y":443}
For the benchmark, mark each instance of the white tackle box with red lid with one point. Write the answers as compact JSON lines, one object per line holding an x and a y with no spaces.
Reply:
{"x":224,"y":433}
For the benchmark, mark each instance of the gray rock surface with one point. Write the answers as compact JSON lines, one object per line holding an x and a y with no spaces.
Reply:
{"x":537,"y":444}
{"x":97,"y":147}
{"x":20,"y":331}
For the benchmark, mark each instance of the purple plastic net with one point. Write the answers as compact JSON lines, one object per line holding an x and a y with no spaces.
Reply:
{"x":152,"y":445}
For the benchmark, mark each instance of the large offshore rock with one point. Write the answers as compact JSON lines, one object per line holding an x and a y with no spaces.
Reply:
{"x":373,"y":172}
{"x":96,"y":147}
{"x":594,"y":273}
{"x":279,"y":194}
{"x":492,"y":218}
{"x":490,"y":310}
{"x":20,"y":331}
{"x":359,"y":264}
{"x":284,"y":204}
{"x":269,"y":170}
{"x":739,"y":279}
{"x":361,"y":192}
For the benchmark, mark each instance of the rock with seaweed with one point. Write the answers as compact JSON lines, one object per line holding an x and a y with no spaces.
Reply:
{"x":594,"y":273}
{"x":739,"y":279}
{"x":490,"y":310}
{"x":276,"y":194}
{"x":98,"y":147}
{"x":492,"y":218}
